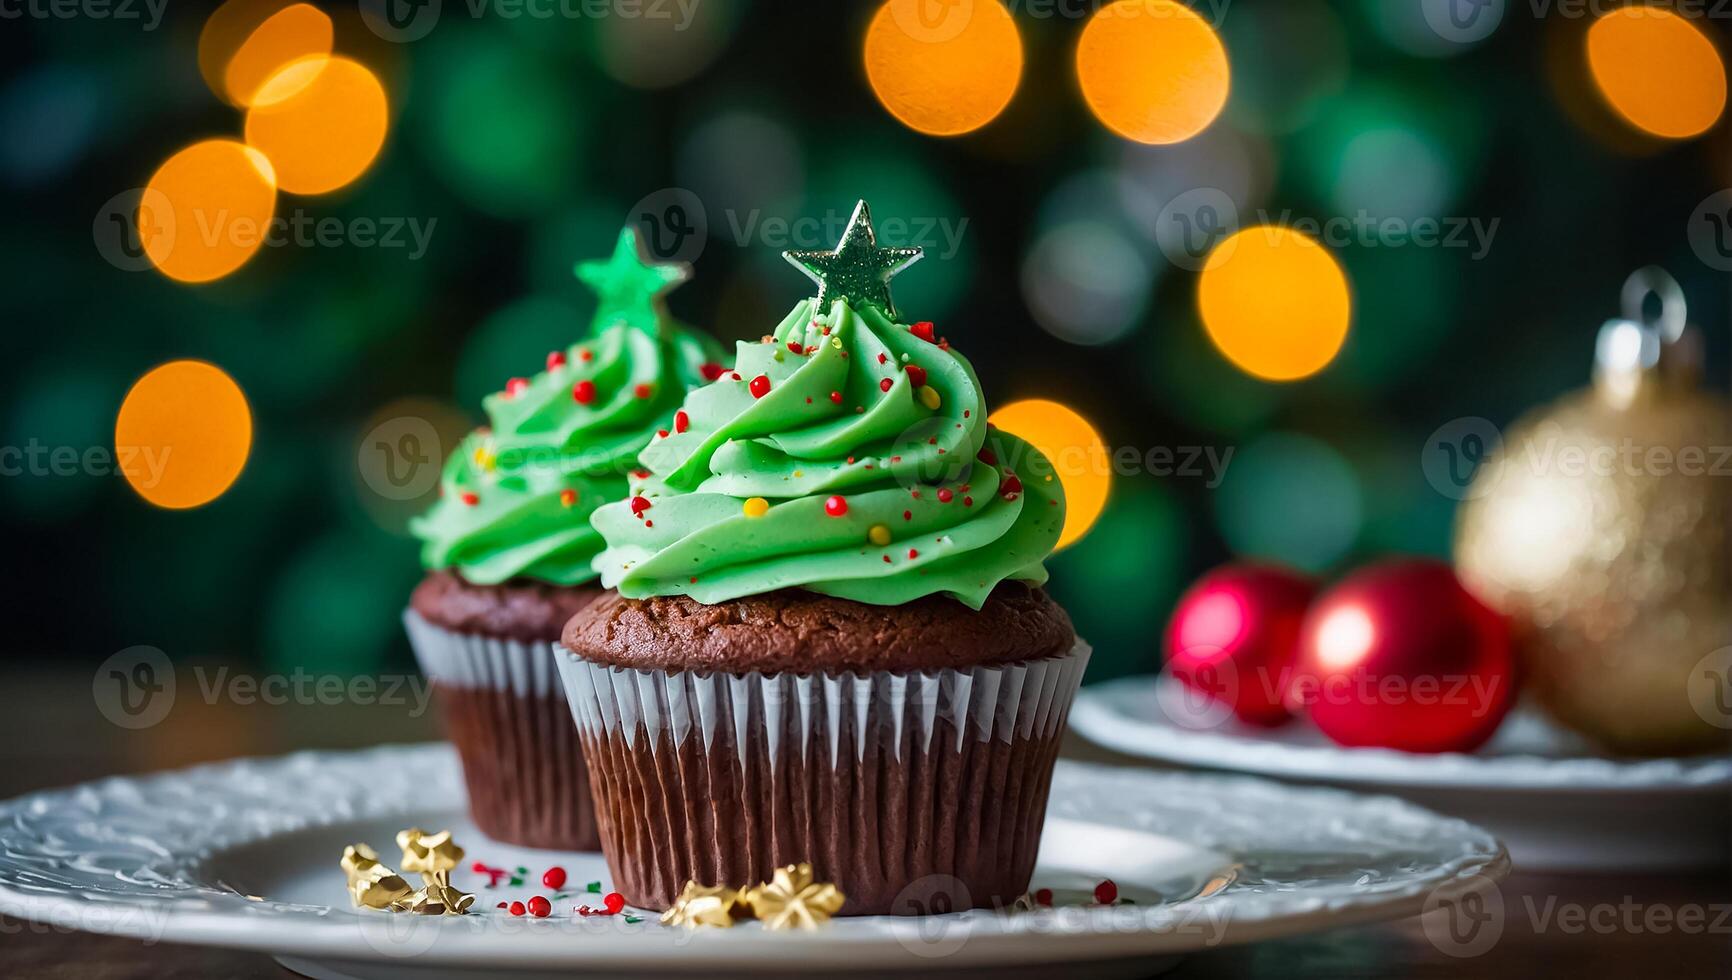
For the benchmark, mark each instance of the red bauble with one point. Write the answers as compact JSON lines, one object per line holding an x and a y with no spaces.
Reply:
{"x":1400,"y":655}
{"x":1234,"y":638}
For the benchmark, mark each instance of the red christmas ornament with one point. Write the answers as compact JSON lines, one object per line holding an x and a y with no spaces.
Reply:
{"x":1400,"y":655}
{"x":1234,"y":637}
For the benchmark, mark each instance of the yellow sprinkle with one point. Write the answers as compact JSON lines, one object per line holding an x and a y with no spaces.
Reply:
{"x":755,"y":507}
{"x":485,"y":459}
{"x":879,"y":535}
{"x":836,"y":342}
{"x":929,"y":397}
{"x":798,"y":474}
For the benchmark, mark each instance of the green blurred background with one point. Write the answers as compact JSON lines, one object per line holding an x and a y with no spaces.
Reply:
{"x":530,"y":141}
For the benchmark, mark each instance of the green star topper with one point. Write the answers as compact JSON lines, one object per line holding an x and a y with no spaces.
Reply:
{"x":628,"y":287}
{"x":857,"y":269}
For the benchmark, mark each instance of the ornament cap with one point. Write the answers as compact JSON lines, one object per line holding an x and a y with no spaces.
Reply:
{"x":1635,"y":351}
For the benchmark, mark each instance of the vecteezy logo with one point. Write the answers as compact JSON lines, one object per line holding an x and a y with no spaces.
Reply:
{"x":1452,"y":457}
{"x":135,"y":687}
{"x":1710,"y":231}
{"x":399,"y":458}
{"x":1710,"y":688}
{"x":1464,"y":919}
{"x":1193,"y":223}
{"x":400,"y":20}
{"x":933,"y":21}
{"x":128,"y":221}
{"x":672,"y":224}
{"x":923,"y":923}
{"x":1463,"y":21}
{"x":1203,"y":697}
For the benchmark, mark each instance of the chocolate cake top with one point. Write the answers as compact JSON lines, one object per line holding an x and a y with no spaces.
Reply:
{"x":520,"y":609}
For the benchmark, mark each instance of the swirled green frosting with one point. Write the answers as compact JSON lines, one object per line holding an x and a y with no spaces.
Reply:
{"x":516,"y":496}
{"x":849,"y":455}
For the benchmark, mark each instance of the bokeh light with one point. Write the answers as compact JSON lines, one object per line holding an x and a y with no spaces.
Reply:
{"x":206,"y":210}
{"x":1289,"y":498}
{"x":1085,"y":282}
{"x":1275,"y":302}
{"x":1657,"y":70}
{"x":944,"y":77}
{"x":1391,"y":148}
{"x":49,"y":117}
{"x":1120,"y":582}
{"x":286,"y":36}
{"x":1076,"y":452}
{"x":321,"y":121}
{"x":1152,"y":70}
{"x":227,"y":30}
{"x":183,"y":434}
{"x":743,"y":159}
{"x":657,"y":49}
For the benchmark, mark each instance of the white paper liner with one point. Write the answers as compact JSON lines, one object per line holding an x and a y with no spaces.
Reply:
{"x":1028,"y":700}
{"x":467,"y":660}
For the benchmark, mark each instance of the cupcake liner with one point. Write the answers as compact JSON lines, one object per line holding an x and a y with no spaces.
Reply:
{"x":903,"y":789}
{"x":505,"y":711}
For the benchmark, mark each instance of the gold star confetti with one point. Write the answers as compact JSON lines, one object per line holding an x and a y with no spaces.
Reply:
{"x":428,"y":853}
{"x":704,"y":905}
{"x":371,"y":884}
{"x":792,"y":900}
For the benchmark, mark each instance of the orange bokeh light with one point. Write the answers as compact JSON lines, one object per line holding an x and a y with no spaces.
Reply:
{"x":206,"y":210}
{"x":1660,"y":72}
{"x":1153,"y":71}
{"x":1274,"y":302}
{"x":292,"y":33}
{"x":183,"y":434}
{"x":946,"y":76}
{"x":1076,"y":452}
{"x":321,"y":121}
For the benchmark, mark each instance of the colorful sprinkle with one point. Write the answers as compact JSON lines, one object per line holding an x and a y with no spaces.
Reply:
{"x":923,"y":330}
{"x":760,"y":386}
{"x":567,"y":498}
{"x":908,"y":515}
{"x":613,"y":903}
{"x":916,"y":374}
{"x":1106,"y":893}
{"x":836,"y":396}
{"x":988,"y":457}
{"x":836,"y":506}
{"x":1010,"y":487}
{"x":879,"y":535}
{"x":583,"y":392}
{"x":1043,"y":897}
{"x":913,"y":553}
{"x":930,"y":398}
{"x":540,"y":907}
{"x":516,"y":387}
{"x":515,"y":908}
{"x":682,"y":421}
{"x":755,"y":507}
{"x":470,"y":497}
{"x":945,"y":495}
{"x":794,"y":345}
{"x":555,"y":360}
{"x":554,"y":878}
{"x":968,"y":501}
{"x":643,"y":389}
{"x":585,"y":354}
{"x":639,"y":505}
{"x":885,"y":384}
{"x":882,"y":359}
{"x":711,"y":370}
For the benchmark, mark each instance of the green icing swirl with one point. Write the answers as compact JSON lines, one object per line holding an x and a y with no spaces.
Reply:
{"x":963,"y":506}
{"x":516,"y":496}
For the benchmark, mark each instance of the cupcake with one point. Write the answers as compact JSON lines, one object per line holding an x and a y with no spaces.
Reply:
{"x":508,"y":547}
{"x":829,"y":643}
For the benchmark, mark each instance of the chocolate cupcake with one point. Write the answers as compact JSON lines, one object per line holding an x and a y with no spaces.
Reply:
{"x":509,"y":547}
{"x":829,"y":644}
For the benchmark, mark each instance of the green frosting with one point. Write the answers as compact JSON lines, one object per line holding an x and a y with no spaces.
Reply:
{"x":516,"y":496}
{"x":876,"y":493}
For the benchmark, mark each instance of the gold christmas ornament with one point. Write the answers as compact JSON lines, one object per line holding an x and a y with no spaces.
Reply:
{"x":792,"y":900}
{"x":1600,"y":527}
{"x":704,"y":905}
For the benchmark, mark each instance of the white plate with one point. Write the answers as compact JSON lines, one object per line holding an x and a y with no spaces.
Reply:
{"x":1541,"y":789}
{"x":244,"y":855}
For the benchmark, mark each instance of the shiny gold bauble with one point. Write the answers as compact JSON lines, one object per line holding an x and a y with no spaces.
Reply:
{"x":1600,"y":527}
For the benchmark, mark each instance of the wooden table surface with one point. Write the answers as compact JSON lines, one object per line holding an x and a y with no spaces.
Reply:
{"x":1554,"y":925}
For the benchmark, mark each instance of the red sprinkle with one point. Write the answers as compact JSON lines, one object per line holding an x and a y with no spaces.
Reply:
{"x":515,"y":908}
{"x":945,"y":495}
{"x":540,"y":907}
{"x":968,"y":501}
{"x":988,"y":457}
{"x":583,"y":392}
{"x":642,"y":389}
{"x":836,"y":506}
{"x":515,"y":387}
{"x":760,"y":386}
{"x":661,"y":433}
{"x":916,"y":374}
{"x":613,"y":903}
{"x":884,"y":385}
{"x":641,"y":474}
{"x":555,"y":359}
{"x":908,"y":515}
{"x":554,"y":878}
{"x":1043,"y":897}
{"x":794,"y":345}
{"x":1010,"y":487}
{"x":710,"y":370}
{"x":470,"y":497}
{"x":836,"y":396}
{"x":882,"y":358}
{"x":639,"y":505}
{"x":682,"y":421}
{"x":1106,"y":892}
{"x":913,"y":554}
{"x":585,"y":355}
{"x":923,"y":330}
